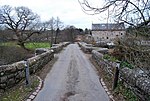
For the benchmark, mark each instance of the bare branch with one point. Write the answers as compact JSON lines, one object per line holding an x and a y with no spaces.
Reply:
{"x":120,"y":9}
{"x":19,"y":20}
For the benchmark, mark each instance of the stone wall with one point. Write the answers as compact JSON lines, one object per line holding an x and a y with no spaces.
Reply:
{"x":12,"y":74}
{"x":59,"y":47}
{"x":87,"y":48}
{"x":106,"y":65}
{"x":138,"y":81}
{"x":84,"y":47}
{"x":135,"y":79}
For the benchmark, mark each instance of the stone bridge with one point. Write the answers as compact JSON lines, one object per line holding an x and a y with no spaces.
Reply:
{"x":12,"y":74}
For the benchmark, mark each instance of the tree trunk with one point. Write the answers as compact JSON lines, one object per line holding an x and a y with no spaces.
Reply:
{"x":52,"y":37}
{"x":22,"y":45}
{"x":57,"y":31}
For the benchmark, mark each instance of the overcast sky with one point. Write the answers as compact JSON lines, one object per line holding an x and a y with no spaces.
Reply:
{"x":69,"y":11}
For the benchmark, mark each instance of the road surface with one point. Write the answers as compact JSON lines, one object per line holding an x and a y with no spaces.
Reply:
{"x":72,"y":78}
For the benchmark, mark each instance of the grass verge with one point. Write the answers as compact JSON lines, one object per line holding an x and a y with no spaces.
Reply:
{"x":126,"y":92}
{"x":21,"y":91}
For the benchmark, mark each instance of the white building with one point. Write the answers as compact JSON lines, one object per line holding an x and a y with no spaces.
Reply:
{"x":108,"y":32}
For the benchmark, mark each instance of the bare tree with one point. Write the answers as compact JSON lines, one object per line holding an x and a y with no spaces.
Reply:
{"x":133,"y":12}
{"x":54,"y":25}
{"x":51,"y":25}
{"x":59,"y":25}
{"x":136,"y":14}
{"x":22,"y":21}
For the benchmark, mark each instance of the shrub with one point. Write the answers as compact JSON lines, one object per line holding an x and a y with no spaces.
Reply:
{"x":110,"y":58}
{"x":126,"y":64}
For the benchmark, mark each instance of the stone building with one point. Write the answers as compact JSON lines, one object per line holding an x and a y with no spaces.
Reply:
{"x":107,"y":31}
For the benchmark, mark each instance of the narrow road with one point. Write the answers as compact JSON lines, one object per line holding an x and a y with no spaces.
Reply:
{"x":72,"y":78}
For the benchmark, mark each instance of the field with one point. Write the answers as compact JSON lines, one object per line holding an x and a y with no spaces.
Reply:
{"x":34,"y":45}
{"x":29,"y":45}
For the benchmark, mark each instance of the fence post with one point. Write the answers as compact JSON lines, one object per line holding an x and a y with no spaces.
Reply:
{"x":116,"y":76}
{"x":27,"y":72}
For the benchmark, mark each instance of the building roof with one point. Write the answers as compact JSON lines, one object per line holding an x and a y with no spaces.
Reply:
{"x":108,"y":26}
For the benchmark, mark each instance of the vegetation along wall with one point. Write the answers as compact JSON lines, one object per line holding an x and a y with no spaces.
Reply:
{"x":135,"y":79}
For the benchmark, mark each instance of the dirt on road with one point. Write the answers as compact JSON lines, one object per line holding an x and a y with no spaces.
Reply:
{"x":72,"y":78}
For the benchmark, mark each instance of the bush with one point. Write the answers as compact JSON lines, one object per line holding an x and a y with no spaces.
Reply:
{"x":110,"y":58}
{"x":126,"y":64}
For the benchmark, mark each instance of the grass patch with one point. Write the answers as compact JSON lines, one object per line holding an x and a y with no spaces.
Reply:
{"x":20,"y":92}
{"x":126,"y":64}
{"x":110,"y":58}
{"x":29,"y":45}
{"x":11,"y":43}
{"x":113,"y":59}
{"x":34,"y":45}
{"x":126,"y":92}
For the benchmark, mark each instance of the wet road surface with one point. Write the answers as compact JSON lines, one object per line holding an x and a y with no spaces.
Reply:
{"x":72,"y":78}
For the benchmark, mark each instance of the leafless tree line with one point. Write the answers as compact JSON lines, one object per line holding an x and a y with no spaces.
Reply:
{"x":54,"y":25}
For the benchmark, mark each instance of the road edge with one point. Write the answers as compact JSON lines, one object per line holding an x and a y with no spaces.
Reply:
{"x":34,"y":94}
